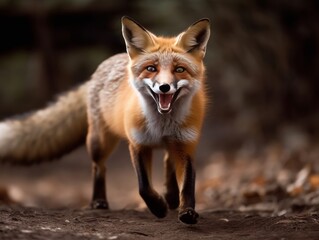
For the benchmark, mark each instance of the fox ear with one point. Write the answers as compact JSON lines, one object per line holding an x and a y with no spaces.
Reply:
{"x":194,"y":39}
{"x":137,"y":38}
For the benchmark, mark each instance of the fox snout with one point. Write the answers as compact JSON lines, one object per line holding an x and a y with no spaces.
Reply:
{"x":165,"y":94}
{"x":164,"y":87}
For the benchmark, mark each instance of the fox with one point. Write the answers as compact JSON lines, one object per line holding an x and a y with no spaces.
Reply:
{"x":152,"y":96}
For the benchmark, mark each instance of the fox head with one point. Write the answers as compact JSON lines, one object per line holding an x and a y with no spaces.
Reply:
{"x":166,"y":70}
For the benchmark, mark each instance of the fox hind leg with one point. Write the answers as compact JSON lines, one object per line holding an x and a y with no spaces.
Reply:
{"x":99,"y":149}
{"x":99,"y":200}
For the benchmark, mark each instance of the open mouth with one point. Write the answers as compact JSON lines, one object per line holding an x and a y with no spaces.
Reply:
{"x":164,"y":101}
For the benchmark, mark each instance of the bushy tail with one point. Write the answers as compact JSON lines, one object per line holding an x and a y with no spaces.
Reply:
{"x":48,"y":133}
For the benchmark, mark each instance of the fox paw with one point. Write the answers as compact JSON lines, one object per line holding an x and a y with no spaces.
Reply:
{"x":157,"y":206}
{"x":160,"y":208}
{"x":99,"y":204}
{"x":188,"y":216}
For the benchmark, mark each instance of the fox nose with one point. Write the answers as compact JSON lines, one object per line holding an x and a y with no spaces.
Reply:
{"x":165,"y":88}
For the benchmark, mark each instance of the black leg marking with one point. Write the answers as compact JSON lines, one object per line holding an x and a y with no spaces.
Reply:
{"x":99,"y":189}
{"x":142,"y":163}
{"x":172,"y":190}
{"x":99,"y":200}
{"x":187,"y":213}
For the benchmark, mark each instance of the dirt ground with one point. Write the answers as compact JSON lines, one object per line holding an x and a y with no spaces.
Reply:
{"x":38,"y":223}
{"x":269,"y":195}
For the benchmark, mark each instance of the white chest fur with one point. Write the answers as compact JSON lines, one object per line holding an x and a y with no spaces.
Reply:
{"x":163,"y":128}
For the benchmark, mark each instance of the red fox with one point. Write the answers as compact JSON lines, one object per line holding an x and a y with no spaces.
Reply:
{"x":153,"y":96}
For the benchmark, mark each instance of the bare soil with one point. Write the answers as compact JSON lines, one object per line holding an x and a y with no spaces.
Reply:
{"x":38,"y":223}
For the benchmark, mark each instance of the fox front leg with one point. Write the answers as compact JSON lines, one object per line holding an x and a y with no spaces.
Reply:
{"x":172,"y":191}
{"x":142,"y":162}
{"x":185,"y":173}
{"x":187,"y":213}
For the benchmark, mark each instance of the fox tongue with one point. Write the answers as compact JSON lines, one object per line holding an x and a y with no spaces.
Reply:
{"x":165,"y":100}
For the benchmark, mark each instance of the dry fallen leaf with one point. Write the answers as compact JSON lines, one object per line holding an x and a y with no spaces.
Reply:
{"x":314,"y":182}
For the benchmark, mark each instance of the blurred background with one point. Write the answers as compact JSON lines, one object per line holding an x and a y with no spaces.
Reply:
{"x":261,"y":129}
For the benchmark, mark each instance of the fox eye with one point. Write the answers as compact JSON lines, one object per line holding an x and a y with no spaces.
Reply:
{"x":179,"y":69}
{"x":151,"y":68}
